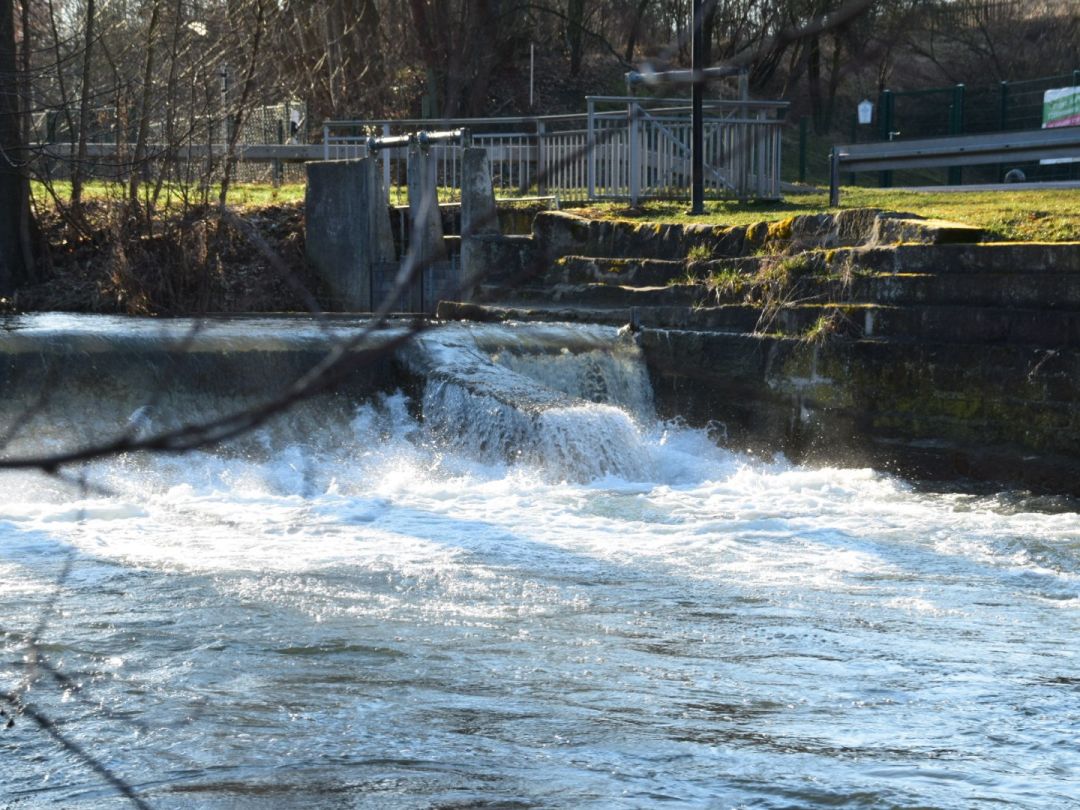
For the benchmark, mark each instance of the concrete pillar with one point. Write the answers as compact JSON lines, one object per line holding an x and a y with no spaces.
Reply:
{"x":479,"y":215}
{"x":347,"y":225}
{"x":425,"y":221}
{"x":426,"y":242}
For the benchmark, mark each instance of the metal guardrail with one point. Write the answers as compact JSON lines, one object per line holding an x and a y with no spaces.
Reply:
{"x":967,"y":150}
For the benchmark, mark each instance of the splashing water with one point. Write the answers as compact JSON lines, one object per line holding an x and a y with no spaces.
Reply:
{"x":454,"y":601}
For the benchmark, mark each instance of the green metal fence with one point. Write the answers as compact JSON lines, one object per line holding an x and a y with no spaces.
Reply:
{"x":963,"y":110}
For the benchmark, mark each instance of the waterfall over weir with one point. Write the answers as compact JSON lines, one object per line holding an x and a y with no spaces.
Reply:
{"x":569,"y":400}
{"x":481,"y":572}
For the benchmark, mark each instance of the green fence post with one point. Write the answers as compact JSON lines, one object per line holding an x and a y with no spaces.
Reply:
{"x":956,"y":127}
{"x":277,"y":166}
{"x":852,"y":180}
{"x":885,"y":107}
{"x":1003,"y":118}
{"x":802,"y":148}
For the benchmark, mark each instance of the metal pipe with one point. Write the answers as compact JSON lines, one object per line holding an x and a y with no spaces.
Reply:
{"x":423,"y":139}
{"x":693,"y":76}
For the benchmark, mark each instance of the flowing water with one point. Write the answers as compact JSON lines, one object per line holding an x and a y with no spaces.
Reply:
{"x":570,"y":605}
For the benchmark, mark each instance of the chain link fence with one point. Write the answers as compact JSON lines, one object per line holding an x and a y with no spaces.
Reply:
{"x":282,"y":123}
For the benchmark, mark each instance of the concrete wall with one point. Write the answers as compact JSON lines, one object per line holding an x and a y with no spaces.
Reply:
{"x":347,"y":229}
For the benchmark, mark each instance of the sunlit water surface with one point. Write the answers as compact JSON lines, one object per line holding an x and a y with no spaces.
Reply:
{"x":390,"y":620}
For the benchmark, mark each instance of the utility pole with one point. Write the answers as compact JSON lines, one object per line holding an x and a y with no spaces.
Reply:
{"x":697,"y":123}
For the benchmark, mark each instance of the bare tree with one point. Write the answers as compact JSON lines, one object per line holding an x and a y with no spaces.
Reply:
{"x":16,"y":265}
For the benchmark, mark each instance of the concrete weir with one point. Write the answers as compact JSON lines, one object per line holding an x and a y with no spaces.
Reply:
{"x":85,"y":379}
{"x":864,"y":337}
{"x":528,"y":394}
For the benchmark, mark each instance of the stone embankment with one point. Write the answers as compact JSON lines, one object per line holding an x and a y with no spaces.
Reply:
{"x":858,"y":338}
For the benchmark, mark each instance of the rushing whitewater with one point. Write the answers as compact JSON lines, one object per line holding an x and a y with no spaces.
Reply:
{"x":511,"y":585}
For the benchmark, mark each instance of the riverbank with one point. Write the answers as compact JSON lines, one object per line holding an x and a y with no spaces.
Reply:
{"x":189,"y":261}
{"x":863,"y":338}
{"x":193,"y":263}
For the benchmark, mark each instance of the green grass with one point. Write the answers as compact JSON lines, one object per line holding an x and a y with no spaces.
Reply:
{"x":824,"y":326}
{"x":699,"y":253}
{"x":1041,"y":216}
{"x":246,"y":194}
{"x":241,"y":194}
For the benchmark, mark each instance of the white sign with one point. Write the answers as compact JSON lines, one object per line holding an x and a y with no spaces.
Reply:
{"x":1061,"y":108}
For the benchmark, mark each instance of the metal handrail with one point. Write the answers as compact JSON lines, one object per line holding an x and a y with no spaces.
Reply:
{"x":534,"y":119}
{"x":718,"y":102}
{"x":609,"y":150}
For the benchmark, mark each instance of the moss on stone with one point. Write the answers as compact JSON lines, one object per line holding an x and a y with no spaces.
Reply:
{"x":780,"y":230}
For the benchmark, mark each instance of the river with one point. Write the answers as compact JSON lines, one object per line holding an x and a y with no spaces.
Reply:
{"x":358,"y":610}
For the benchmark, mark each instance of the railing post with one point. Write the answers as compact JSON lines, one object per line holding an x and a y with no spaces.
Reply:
{"x":743,"y":139}
{"x":834,"y":178}
{"x":778,"y":146}
{"x":541,"y":158}
{"x":635,"y":153}
{"x":326,"y":141}
{"x":759,"y":147}
{"x":956,"y":127}
{"x":386,"y":163}
{"x":802,"y":148}
{"x":591,"y":148}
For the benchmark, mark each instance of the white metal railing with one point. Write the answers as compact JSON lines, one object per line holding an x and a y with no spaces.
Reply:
{"x":622,"y":148}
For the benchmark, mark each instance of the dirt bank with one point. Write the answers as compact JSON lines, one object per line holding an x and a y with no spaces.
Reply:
{"x":188,"y":263}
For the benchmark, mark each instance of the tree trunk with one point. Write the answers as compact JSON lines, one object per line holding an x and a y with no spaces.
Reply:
{"x":575,"y":33}
{"x":255,"y":54}
{"x":144,"y":105}
{"x":836,"y":69}
{"x":635,"y":29}
{"x":14,"y":205}
{"x":813,"y":82}
{"x":84,"y":110}
{"x":26,"y":223}
{"x":708,"y":26}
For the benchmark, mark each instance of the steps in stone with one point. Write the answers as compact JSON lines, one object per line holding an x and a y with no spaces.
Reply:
{"x":984,"y":257}
{"x":1050,"y":329}
{"x":1056,"y":288}
{"x":1036,"y":290}
{"x":639,"y":272}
